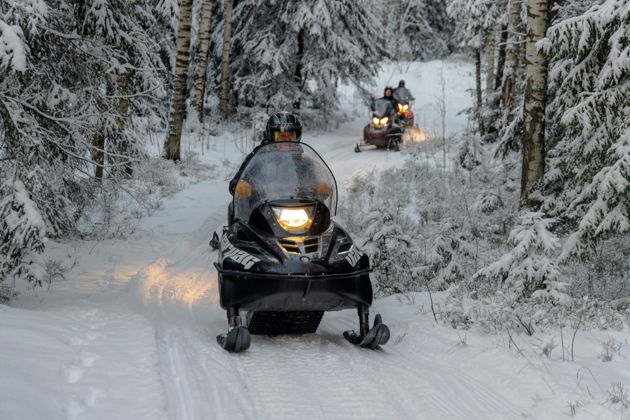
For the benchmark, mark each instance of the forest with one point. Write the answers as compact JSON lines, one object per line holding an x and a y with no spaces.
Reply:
{"x":121,"y":123}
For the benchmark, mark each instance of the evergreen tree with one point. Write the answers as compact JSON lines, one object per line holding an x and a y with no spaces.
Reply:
{"x":588,"y":182}
{"x":293,"y":53}
{"x":72,"y":73}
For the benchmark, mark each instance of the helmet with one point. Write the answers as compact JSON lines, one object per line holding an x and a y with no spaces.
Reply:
{"x":390,"y":91}
{"x":283,"y":122}
{"x":401,"y":83}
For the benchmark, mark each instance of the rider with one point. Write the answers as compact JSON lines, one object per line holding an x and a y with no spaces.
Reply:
{"x":281,"y":126}
{"x":388,"y":94}
{"x":402,"y":91}
{"x":401,"y":85}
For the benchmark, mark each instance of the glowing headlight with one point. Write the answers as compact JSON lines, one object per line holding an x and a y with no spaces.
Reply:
{"x":405,"y":107}
{"x":400,"y":107}
{"x":384,"y":120}
{"x":375,"y":121}
{"x":293,"y":218}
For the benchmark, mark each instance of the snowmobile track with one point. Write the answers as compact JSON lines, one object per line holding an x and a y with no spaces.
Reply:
{"x":275,"y":323}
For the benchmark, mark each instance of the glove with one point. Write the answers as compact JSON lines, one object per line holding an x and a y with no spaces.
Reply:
{"x":243,"y":189}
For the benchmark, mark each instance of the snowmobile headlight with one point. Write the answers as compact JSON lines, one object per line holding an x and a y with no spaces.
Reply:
{"x":384,"y":120}
{"x":405,"y":107}
{"x":375,"y":121}
{"x":400,"y":107}
{"x":294,"y":218}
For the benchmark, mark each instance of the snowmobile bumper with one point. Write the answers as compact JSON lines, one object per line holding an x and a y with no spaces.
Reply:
{"x":294,"y":292}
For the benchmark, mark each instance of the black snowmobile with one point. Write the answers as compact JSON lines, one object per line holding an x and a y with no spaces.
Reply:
{"x":283,"y":259}
{"x":382,"y":130}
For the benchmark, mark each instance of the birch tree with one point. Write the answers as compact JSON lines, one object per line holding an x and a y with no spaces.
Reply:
{"x":511,"y":57}
{"x":533,"y":166}
{"x":225,"y":61}
{"x":180,"y":83}
{"x":200,"y":71}
{"x":490,"y":68}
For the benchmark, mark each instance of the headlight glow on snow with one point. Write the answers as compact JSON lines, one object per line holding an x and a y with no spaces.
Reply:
{"x":293,"y":218}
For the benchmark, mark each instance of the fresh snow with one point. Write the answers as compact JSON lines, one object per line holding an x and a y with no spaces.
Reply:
{"x":130,"y":333}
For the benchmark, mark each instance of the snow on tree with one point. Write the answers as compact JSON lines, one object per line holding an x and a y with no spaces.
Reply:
{"x":180,"y":85}
{"x":225,"y":60}
{"x":72,"y":73}
{"x":527,"y":270}
{"x":535,"y":101}
{"x":417,"y":29}
{"x":23,"y":231}
{"x":200,"y":68}
{"x":588,"y":181}
{"x":477,"y":22}
{"x":290,"y":54}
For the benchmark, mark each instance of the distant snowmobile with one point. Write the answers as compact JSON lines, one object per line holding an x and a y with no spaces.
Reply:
{"x":383,"y":130}
{"x":405,"y":116}
{"x":403,"y":99}
{"x":283,"y":259}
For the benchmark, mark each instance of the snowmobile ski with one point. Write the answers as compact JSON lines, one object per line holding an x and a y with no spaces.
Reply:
{"x":377,"y":336}
{"x":214,"y":242}
{"x":236,"y":340}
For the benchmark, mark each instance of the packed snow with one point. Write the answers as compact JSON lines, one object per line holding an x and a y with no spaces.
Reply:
{"x":128,"y":331}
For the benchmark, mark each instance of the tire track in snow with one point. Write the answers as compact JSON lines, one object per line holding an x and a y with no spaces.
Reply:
{"x":310,"y":375}
{"x":199,"y":377}
{"x":436,"y":392}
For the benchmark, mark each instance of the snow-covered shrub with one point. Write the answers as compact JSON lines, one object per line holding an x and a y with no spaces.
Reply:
{"x":618,"y":394}
{"x":610,"y":348}
{"x":527,"y":269}
{"x":426,"y":229}
{"x":391,"y":248}
{"x":22,"y":231}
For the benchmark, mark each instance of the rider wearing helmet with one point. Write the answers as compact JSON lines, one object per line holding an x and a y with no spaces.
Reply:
{"x":281,"y":127}
{"x":401,"y":87}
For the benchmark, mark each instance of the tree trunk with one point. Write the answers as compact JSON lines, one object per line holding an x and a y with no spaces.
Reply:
{"x":122,"y":109}
{"x":398,"y":34}
{"x":482,"y":129}
{"x":501,"y":58}
{"x":490,"y":64}
{"x":98,"y":156}
{"x":511,"y":59}
{"x":225,"y":60}
{"x":535,"y":102}
{"x":299,"y":66}
{"x":201,"y":58}
{"x":180,"y":83}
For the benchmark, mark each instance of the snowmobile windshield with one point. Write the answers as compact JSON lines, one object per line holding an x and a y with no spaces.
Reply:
{"x":285,"y":171}
{"x":403,"y":95}
{"x":383,"y":108}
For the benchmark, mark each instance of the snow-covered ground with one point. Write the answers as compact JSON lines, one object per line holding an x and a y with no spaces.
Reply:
{"x":130,"y":333}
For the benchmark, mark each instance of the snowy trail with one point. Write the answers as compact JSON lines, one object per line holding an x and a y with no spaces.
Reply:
{"x":318,"y":376}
